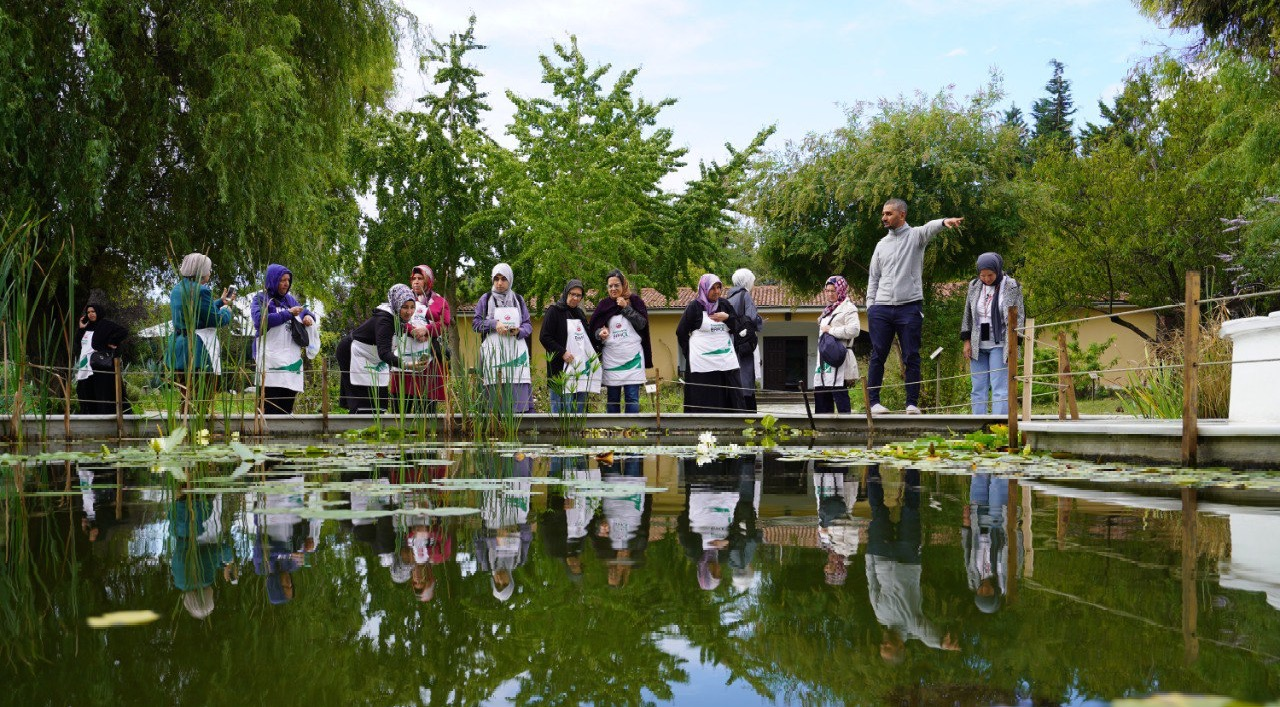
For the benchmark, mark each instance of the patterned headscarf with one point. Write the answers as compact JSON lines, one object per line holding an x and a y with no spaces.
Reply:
{"x":398,"y":295}
{"x":429,"y":275}
{"x":705,"y":283}
{"x":842,"y":293}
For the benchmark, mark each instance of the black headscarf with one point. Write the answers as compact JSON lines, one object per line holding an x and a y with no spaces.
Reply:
{"x":105,"y":331}
{"x":563,"y":303}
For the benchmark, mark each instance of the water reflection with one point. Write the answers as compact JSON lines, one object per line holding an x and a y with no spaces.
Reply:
{"x":748,"y":579}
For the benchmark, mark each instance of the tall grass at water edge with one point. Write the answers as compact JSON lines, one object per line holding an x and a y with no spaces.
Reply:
{"x":1157,"y":393}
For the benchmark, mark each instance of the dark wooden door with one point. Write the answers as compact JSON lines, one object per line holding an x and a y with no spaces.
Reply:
{"x":785,"y":359}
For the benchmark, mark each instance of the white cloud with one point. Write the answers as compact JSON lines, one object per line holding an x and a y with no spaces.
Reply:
{"x":958,"y":51}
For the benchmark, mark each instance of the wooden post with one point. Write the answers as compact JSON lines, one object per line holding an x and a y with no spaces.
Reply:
{"x":115,"y":362}
{"x":1190,"y":639}
{"x":866,"y":405}
{"x":1066,"y":384}
{"x":1028,"y":367}
{"x":657,"y":397}
{"x":1011,"y":542}
{"x":1190,"y":360}
{"x":66,"y":404}
{"x":324,"y":395}
{"x":1028,"y":544}
{"x":1011,"y":334}
{"x":804,"y":393}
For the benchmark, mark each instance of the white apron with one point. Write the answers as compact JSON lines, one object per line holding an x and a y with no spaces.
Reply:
{"x":366,"y":368}
{"x":279,"y":360}
{"x":408,"y":349}
{"x":623,"y":355}
{"x":212,"y":347}
{"x":711,"y":347}
{"x":83,"y":370}
{"x":505,"y":358}
{"x":583,"y":375}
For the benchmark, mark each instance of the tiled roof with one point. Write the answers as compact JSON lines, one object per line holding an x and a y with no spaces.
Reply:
{"x":764,"y":295}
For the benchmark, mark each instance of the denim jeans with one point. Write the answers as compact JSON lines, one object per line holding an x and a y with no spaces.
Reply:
{"x":568,"y":403}
{"x":830,"y":398}
{"x":884,"y":322}
{"x":989,"y":376}
{"x":616,"y":393}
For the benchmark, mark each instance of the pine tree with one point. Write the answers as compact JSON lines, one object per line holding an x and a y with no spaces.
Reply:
{"x":1051,"y":115}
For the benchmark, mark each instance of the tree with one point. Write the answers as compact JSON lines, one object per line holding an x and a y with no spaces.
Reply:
{"x":582,"y":193}
{"x":1127,"y":218}
{"x":1051,"y":115}
{"x":818,"y":202}
{"x":1124,"y":117}
{"x":430,"y":178}
{"x":148,"y":129}
{"x":1014,"y":119}
{"x":1245,"y":26}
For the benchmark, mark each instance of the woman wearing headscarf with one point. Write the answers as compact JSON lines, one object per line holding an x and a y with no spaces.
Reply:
{"x":196,"y":315}
{"x":573,"y":364}
{"x":746,"y":339}
{"x":983,"y":331}
{"x":278,"y":356}
{"x":425,"y":333}
{"x":502,"y":320}
{"x":368,"y":354}
{"x":840,"y":320}
{"x":96,"y":387}
{"x":712,"y":377}
{"x":620,"y":323}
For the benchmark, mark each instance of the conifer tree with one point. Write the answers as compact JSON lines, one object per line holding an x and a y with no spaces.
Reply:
{"x":1051,"y":115}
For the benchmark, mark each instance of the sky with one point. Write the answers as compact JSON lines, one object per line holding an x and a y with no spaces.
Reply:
{"x":736,"y":67}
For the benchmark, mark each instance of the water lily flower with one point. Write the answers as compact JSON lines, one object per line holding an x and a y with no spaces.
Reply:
{"x":707,"y":438}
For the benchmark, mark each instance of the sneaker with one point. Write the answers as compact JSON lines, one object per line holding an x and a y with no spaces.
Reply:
{"x":879,"y":409}
{"x":913,"y":410}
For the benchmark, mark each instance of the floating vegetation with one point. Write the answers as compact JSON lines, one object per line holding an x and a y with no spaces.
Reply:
{"x":116,"y":619}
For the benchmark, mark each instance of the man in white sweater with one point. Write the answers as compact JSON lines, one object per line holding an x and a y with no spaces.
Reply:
{"x":895,"y":298}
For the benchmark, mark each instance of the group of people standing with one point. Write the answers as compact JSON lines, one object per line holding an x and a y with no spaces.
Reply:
{"x":399,"y":353}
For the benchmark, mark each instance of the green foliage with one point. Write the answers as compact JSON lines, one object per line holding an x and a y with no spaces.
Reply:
{"x":1082,"y":359}
{"x":1051,"y":115}
{"x":585,"y":180}
{"x":818,"y":202}
{"x":1126,"y":219}
{"x":430,"y":173}
{"x":151,"y":129}
{"x":1245,"y":26}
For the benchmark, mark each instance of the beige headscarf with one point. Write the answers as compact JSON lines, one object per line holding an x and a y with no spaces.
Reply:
{"x":197,"y":265}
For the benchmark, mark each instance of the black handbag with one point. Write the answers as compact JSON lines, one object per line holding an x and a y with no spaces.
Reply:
{"x":103,"y":361}
{"x":298,"y":332}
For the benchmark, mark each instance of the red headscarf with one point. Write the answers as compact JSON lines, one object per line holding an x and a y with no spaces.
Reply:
{"x":430,"y":278}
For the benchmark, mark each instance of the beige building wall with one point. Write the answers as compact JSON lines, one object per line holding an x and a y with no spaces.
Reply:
{"x":1128,"y":348}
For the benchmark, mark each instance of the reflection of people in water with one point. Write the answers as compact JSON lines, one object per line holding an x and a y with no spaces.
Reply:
{"x":569,"y":512}
{"x":282,"y":541}
{"x":378,"y":533}
{"x":744,"y":531}
{"x":620,"y":531}
{"x":893,"y":563}
{"x":198,"y":548}
{"x":502,"y":545}
{"x":720,"y":497}
{"x":99,"y":506}
{"x":836,"y":491}
{"x":983,"y":539}
{"x":426,"y":543}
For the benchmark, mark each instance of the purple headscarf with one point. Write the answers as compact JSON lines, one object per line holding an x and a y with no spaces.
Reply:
{"x":705,"y":283}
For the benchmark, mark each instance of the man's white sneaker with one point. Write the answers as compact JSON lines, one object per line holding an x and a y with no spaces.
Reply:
{"x":879,"y":409}
{"x":913,"y":410}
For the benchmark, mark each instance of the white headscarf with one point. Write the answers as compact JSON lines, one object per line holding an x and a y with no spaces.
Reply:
{"x":744,"y":278}
{"x":197,"y":265}
{"x":503,"y":299}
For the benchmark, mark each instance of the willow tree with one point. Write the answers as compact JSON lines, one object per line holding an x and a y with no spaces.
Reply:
{"x":583,"y":191}
{"x":818,"y":202}
{"x":149,"y":128}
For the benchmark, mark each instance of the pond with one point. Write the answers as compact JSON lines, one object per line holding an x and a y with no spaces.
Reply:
{"x":437,"y":574}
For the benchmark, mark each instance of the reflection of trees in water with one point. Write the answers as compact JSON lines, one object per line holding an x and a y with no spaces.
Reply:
{"x":354,"y":635}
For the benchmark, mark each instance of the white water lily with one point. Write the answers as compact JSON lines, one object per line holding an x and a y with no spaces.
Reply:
{"x":707,"y":438}
{"x":703,"y":459}
{"x":704,"y":450}
{"x":733,"y":450}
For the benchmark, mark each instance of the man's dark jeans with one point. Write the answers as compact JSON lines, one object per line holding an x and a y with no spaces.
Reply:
{"x":904,"y":321}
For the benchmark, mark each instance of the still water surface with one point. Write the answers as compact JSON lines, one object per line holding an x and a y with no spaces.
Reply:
{"x":648,"y":579}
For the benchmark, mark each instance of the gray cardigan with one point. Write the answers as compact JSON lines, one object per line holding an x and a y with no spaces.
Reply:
{"x":1010,"y":296}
